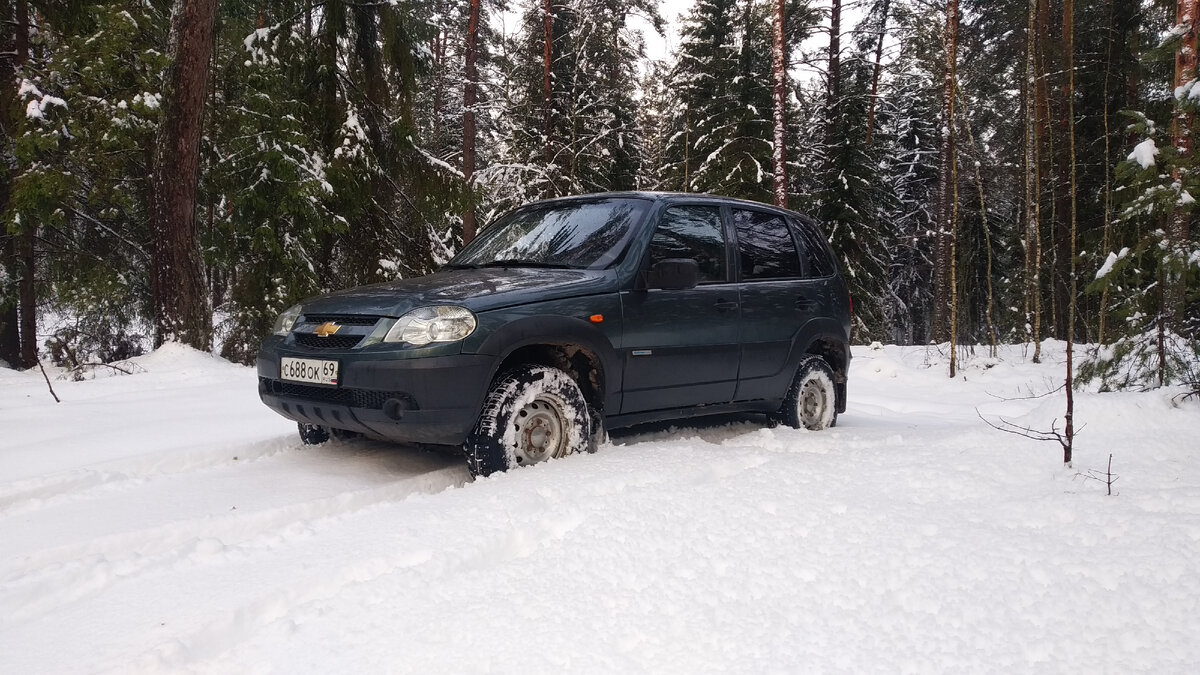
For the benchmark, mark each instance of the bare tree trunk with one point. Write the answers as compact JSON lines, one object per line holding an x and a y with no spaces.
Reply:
{"x":1069,"y":46}
{"x":10,"y":315}
{"x":470,"y":94}
{"x":180,"y":307}
{"x":1041,"y":132}
{"x":779,"y":68}
{"x":1032,"y":304}
{"x":1108,"y":201}
{"x":1181,"y":133}
{"x":25,"y":249}
{"x":834,"y":89}
{"x":10,"y":337}
{"x":876,"y":71}
{"x":943,"y":273}
{"x":547,"y":91}
{"x":952,"y":259}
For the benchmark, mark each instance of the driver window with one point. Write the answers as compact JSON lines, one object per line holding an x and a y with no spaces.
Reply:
{"x":692,"y":232}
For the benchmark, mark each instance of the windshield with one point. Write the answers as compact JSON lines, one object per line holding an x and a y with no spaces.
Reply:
{"x":565,"y":234}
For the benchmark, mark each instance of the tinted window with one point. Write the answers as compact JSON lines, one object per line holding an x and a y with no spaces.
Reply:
{"x":814,"y":249}
{"x":692,"y":232}
{"x":765,"y":246}
{"x":571,"y":234}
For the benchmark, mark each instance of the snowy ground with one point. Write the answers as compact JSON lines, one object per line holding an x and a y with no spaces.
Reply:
{"x":166,"y":521}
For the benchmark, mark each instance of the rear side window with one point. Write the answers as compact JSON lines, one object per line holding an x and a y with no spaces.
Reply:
{"x":765,"y":246}
{"x":692,"y":232}
{"x":815,"y":250}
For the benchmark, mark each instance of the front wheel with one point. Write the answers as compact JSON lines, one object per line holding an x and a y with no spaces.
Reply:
{"x":532,"y":414}
{"x":811,"y":401}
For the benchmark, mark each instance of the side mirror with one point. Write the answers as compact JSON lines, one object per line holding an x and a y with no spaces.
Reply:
{"x":674,"y":274}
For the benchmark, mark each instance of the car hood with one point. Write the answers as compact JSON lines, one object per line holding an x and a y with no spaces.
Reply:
{"x":476,"y":289}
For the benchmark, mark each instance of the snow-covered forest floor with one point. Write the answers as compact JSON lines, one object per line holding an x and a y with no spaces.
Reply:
{"x":167,"y":521}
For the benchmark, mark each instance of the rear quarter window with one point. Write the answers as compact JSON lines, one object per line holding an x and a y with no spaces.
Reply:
{"x":765,"y":246}
{"x":814,"y":249}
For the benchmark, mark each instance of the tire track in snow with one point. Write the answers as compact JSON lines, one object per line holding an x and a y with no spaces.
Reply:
{"x":31,"y":494}
{"x":534,"y":520}
{"x":39,"y":583}
{"x":275,"y":614}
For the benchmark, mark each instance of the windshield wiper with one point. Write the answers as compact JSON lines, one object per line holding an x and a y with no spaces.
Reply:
{"x":528,"y":263}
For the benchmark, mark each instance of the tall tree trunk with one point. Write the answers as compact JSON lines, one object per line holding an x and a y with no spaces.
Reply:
{"x":181,"y":309}
{"x":1032,"y":302}
{"x":779,"y":70}
{"x":1181,"y":134}
{"x":1101,"y":335}
{"x":27,"y":289}
{"x":1043,"y":138}
{"x":547,"y":88}
{"x":470,"y":93}
{"x":877,"y":68}
{"x":834,"y":88}
{"x":10,"y":336}
{"x":943,"y":273}
{"x":1069,"y":47}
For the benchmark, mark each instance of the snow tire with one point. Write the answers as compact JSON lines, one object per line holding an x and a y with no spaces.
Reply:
{"x":811,"y":401}
{"x":531,"y":414}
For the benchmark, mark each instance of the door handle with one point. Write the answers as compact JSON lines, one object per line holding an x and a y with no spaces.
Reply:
{"x":725,"y":305}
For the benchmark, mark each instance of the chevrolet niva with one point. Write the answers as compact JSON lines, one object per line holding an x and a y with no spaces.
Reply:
{"x":570,"y":316}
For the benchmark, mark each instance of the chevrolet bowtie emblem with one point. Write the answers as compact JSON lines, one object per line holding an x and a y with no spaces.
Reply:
{"x":326,"y":329}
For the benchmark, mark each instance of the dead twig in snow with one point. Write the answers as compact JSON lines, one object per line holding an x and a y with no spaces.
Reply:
{"x":1105,"y":477}
{"x":48,"y":385}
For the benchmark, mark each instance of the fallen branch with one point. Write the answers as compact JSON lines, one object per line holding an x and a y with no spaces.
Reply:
{"x":48,"y":385}
{"x":76,"y":372}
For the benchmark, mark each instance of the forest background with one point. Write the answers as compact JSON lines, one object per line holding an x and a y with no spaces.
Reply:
{"x":1001,"y":171}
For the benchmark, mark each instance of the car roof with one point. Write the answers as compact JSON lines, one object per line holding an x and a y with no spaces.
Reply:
{"x":674,"y":196}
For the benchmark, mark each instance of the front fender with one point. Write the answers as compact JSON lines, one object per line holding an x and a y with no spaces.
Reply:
{"x":557,"y":330}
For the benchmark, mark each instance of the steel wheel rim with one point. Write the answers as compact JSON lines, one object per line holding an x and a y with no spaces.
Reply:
{"x":812,"y":403}
{"x":541,"y":431}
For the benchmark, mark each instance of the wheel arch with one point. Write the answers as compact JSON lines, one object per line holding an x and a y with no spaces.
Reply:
{"x":567,"y":343}
{"x":826,"y":339}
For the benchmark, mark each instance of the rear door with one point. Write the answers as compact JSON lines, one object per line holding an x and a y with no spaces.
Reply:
{"x":776,"y":301}
{"x":680,"y":347}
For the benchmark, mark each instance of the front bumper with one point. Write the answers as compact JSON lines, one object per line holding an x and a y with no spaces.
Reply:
{"x":432,"y":400}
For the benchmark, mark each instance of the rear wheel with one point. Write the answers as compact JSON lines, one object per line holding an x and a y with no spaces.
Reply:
{"x":532,"y":414}
{"x":811,"y":402}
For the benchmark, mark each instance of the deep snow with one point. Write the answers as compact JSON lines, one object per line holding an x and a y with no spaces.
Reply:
{"x":166,"y":521}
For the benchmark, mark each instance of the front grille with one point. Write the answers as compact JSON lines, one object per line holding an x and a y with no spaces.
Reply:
{"x":352,"y":398}
{"x":332,"y":342}
{"x":342,"y":319}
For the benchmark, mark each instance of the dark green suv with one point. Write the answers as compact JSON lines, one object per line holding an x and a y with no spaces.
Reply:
{"x":570,"y":316}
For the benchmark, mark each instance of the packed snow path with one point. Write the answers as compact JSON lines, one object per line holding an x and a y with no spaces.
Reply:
{"x":166,"y":521}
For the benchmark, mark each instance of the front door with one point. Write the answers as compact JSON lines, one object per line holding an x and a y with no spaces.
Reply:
{"x":681,"y":346}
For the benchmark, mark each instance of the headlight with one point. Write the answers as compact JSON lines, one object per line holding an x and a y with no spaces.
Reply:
{"x":444,"y":323}
{"x":283,"y":325}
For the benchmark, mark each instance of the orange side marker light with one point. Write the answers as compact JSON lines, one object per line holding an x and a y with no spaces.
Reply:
{"x":596,"y":318}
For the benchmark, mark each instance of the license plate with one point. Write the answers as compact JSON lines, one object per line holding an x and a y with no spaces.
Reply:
{"x":313,"y":371}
